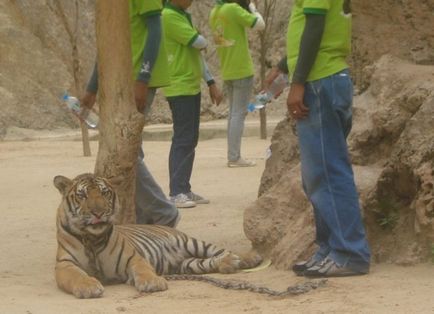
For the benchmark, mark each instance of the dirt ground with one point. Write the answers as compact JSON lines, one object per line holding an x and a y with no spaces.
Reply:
{"x":28,"y":203}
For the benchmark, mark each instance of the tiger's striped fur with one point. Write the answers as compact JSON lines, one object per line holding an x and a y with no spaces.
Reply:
{"x":93,"y":250}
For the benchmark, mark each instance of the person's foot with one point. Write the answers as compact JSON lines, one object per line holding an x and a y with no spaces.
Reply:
{"x":197,"y":198}
{"x":241,"y":163}
{"x":182,"y":201}
{"x":329,"y":268}
{"x":300,"y":267}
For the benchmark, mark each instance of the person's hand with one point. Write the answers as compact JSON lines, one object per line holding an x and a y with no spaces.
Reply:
{"x":274,"y":72}
{"x":88,"y":100}
{"x":216,"y":94}
{"x":294,"y":102}
{"x":140,"y":95}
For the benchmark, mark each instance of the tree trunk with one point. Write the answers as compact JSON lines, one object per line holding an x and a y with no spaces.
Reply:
{"x":120,"y":124}
{"x":268,"y":8}
{"x":72,"y":35}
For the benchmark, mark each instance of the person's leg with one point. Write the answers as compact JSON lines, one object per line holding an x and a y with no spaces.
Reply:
{"x":241,"y":92}
{"x":322,"y":232}
{"x":321,"y":236}
{"x":327,"y":172}
{"x":185,"y":115}
{"x":228,"y":90}
{"x":321,"y":239}
{"x":196,"y":113}
{"x":152,"y":206}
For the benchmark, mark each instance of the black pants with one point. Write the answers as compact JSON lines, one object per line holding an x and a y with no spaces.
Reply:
{"x":186,"y":119}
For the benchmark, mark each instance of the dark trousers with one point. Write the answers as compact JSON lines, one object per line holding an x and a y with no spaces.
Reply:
{"x":186,"y":119}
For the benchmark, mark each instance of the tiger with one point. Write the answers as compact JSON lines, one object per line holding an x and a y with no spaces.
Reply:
{"x":92,"y":249}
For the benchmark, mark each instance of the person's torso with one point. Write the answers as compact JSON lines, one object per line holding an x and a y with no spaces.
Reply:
{"x":183,"y":59}
{"x":139,"y":10}
{"x":336,"y":40}
{"x":228,"y":22}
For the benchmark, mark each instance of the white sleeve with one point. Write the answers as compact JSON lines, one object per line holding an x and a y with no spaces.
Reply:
{"x":260,"y":24}
{"x":200,"y":42}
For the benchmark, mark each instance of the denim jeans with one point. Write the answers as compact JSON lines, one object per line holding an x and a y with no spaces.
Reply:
{"x":152,"y":206}
{"x":327,"y":174}
{"x":186,"y":119}
{"x":238,"y":93}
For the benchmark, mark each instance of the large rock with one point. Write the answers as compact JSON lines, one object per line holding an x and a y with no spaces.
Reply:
{"x":391,"y":144}
{"x":392,"y":147}
{"x":404,"y":29}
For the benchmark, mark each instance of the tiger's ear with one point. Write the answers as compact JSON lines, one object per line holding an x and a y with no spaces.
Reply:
{"x":62,"y":184}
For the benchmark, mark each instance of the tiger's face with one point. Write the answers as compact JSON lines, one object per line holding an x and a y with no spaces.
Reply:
{"x":89,"y":204}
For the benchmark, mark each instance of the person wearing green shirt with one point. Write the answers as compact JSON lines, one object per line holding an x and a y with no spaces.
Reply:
{"x":187,"y":67}
{"x":320,"y":100}
{"x":151,"y":71}
{"x":229,"y":20}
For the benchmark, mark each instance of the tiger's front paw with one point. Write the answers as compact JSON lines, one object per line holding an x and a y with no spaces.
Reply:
{"x":229,"y":264}
{"x":155,"y":283}
{"x":250,"y":260}
{"x":87,"y":287}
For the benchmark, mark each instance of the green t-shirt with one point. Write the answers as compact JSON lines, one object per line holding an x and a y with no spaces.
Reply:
{"x":184,"y":60}
{"x":228,"y":22}
{"x":336,"y":40}
{"x":139,"y":9}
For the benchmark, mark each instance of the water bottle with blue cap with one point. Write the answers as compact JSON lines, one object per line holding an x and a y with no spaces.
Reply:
{"x":83,"y":113}
{"x":275,"y":89}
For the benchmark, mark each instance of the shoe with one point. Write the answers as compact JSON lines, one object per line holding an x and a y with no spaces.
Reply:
{"x":329,"y":268}
{"x":197,"y":198}
{"x":300,"y":267}
{"x":241,"y":163}
{"x":182,"y":201}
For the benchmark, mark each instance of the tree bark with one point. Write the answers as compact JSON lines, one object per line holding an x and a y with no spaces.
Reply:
{"x":73,"y":37}
{"x":120,"y":124}
{"x":268,"y":8}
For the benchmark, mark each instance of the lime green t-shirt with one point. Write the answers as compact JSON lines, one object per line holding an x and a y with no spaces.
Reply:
{"x":336,"y":40}
{"x":184,"y":60}
{"x":139,"y":33}
{"x":228,"y":22}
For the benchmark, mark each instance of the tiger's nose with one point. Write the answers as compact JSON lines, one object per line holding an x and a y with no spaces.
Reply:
{"x":96,"y":204}
{"x":97,"y":208}
{"x":97,"y":214}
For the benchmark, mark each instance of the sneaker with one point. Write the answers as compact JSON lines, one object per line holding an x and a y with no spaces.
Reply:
{"x":182,"y":201}
{"x":300,"y":267}
{"x":329,"y":268}
{"x":197,"y":198}
{"x":241,"y":163}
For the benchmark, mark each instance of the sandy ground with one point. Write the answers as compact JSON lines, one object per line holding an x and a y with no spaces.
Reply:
{"x":28,"y":203}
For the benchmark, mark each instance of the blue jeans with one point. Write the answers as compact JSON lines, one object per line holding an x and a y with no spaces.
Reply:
{"x":327,"y":175}
{"x":238,"y":93}
{"x":186,"y":119}
{"x":152,"y":206}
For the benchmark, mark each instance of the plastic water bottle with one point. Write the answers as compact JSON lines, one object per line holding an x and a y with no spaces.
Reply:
{"x":264,"y":97}
{"x":85,"y":114}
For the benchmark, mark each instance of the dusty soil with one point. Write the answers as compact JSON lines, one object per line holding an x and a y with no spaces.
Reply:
{"x":27,"y":243}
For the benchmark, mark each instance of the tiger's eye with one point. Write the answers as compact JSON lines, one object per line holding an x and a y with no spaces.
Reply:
{"x":81,"y":194}
{"x":105,"y":191}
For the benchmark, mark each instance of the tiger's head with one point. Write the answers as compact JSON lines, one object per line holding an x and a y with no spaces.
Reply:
{"x":89,"y":204}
